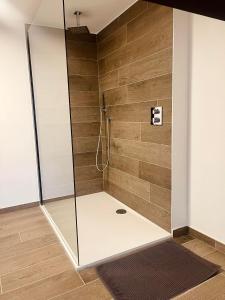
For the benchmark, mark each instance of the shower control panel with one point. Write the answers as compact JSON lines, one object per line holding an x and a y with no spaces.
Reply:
{"x":157,"y":116}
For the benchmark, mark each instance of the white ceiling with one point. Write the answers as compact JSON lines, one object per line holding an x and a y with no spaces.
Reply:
{"x":96,"y":13}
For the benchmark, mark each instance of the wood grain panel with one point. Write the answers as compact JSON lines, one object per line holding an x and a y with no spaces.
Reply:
{"x":167,"y":109}
{"x":87,"y":173}
{"x":86,"y":159}
{"x":116,"y":96}
{"x":125,"y":164}
{"x":156,"y":134}
{"x":124,"y":18}
{"x":130,"y":183}
{"x":82,"y":67}
{"x":84,"y":145}
{"x":85,"y":129}
{"x":125,"y":130}
{"x":160,"y":196}
{"x":135,"y":112}
{"x":89,"y":187}
{"x":83,"y":83}
{"x":153,"y":153}
{"x":145,"y":46}
{"x":155,"y":174}
{"x":84,"y":98}
{"x":86,"y":50}
{"x":115,"y":41}
{"x":154,"y":20}
{"x":85,"y":115}
{"x":152,"y":66}
{"x":109,"y":81}
{"x":152,"y":89}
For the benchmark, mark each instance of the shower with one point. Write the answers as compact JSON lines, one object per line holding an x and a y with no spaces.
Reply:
{"x":78,"y":29}
{"x":103,"y":115}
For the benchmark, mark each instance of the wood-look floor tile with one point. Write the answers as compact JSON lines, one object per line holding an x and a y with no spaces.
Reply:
{"x":9,"y":241}
{"x":28,"y":258}
{"x":32,"y":222}
{"x":88,"y":274}
{"x":94,"y":290}
{"x":20,"y":214}
{"x":212,"y":289}
{"x":46,"y":288}
{"x":44,"y":269}
{"x":183,"y":239}
{"x":202,"y":237}
{"x":217,"y":258}
{"x":220,"y":247}
{"x":200,"y":248}
{"x":31,"y":234}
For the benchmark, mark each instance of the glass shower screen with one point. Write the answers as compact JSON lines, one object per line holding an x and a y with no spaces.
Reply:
{"x":48,"y":63}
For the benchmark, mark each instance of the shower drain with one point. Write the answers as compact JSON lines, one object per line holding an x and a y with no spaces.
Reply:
{"x":121,"y":211}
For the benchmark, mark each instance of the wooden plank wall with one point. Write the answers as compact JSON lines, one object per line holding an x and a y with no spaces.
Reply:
{"x":135,"y":74}
{"x":83,"y":83}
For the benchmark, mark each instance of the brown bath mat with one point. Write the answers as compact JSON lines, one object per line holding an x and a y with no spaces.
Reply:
{"x":156,"y":273}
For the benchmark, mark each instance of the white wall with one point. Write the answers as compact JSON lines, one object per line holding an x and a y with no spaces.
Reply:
{"x":18,"y":172}
{"x":181,"y":42}
{"x":49,"y":68}
{"x":207,"y":128}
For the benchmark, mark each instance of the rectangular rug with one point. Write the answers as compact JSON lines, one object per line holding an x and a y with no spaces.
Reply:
{"x":159,"y":272}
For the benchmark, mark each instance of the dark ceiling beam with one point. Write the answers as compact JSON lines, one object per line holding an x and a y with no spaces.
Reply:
{"x":209,"y":8}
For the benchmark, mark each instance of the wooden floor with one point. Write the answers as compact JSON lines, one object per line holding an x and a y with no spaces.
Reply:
{"x":34,"y":266}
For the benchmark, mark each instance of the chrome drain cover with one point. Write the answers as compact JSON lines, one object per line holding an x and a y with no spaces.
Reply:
{"x":121,"y":211}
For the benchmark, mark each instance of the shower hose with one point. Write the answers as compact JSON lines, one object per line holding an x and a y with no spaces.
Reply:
{"x":102,"y":110}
